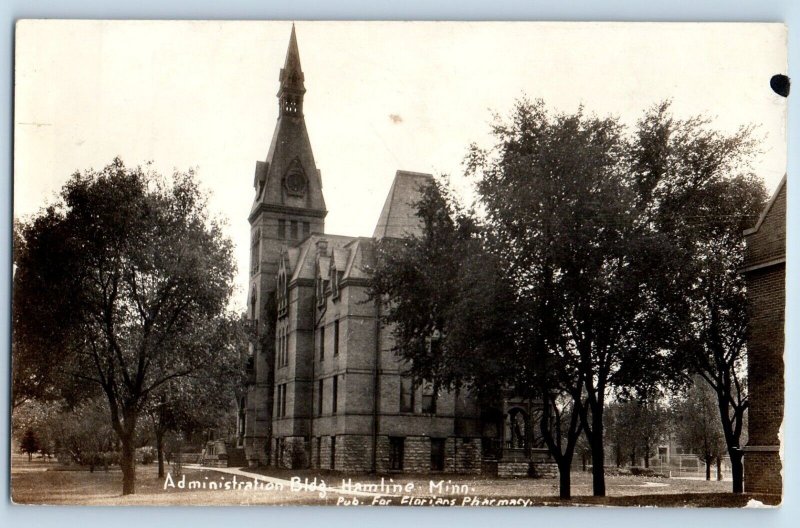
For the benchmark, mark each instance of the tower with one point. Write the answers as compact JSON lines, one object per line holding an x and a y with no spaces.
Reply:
{"x":287,"y":207}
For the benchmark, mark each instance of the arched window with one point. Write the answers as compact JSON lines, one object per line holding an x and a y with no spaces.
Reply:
{"x":255,"y":252}
{"x":282,"y":292}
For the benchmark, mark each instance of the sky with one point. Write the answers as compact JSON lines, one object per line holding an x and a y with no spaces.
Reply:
{"x":381,"y":96}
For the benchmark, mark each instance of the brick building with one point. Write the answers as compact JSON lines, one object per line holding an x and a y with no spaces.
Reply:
{"x":326,"y":390}
{"x":765,"y":273}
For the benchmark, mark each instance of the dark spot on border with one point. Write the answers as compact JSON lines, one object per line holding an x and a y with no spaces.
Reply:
{"x":780,"y":84}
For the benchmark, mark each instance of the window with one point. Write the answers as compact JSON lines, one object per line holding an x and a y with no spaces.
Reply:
{"x":320,"y":292}
{"x":306,"y":229}
{"x":294,"y":229}
{"x":406,"y":394}
{"x":319,"y":452}
{"x":281,"y":228}
{"x":397,"y":446}
{"x":282,"y":353}
{"x":333,"y":452}
{"x":319,"y":397}
{"x":280,"y":400}
{"x":428,"y":398}
{"x":334,"y":284}
{"x":334,"y":401}
{"x":437,"y":454}
{"x":282,"y":293}
{"x":255,"y":252}
{"x":322,"y":343}
{"x":336,"y":337}
{"x":282,"y":346}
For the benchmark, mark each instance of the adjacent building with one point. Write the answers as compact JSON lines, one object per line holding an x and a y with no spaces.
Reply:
{"x":765,"y":273}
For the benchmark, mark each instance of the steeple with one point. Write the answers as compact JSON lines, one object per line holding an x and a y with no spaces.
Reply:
{"x":290,"y":94}
{"x":287,"y":182}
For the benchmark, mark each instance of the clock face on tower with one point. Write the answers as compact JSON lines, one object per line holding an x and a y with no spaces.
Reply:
{"x":295,"y":180}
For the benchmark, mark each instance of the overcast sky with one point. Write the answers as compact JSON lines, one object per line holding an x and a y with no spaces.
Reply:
{"x":381,"y":97}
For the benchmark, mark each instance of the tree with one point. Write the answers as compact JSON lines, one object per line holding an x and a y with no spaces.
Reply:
{"x":199,"y":401}
{"x":703,"y":194}
{"x":635,"y":426}
{"x":35,"y":369}
{"x":587,"y":272}
{"x":442,"y":294}
{"x":561,"y":427}
{"x":83,"y":432}
{"x":134,"y":278}
{"x":698,"y":426}
{"x":29,"y":444}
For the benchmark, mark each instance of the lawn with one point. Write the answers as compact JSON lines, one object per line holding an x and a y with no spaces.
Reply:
{"x":40,"y":482}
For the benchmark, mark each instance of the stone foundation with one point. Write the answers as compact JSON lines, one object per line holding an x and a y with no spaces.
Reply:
{"x":513,"y":469}
{"x":353,"y":454}
{"x":523,"y":469}
{"x":544,"y":470}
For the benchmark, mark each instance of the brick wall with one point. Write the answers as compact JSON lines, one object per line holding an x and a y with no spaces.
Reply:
{"x":762,"y":472}
{"x":765,"y":347}
{"x":766,"y":299}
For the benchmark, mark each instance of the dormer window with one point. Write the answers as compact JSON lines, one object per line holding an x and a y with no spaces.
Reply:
{"x":334,"y":284}
{"x":320,"y":292}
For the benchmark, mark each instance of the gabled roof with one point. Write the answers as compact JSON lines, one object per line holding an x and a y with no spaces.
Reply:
{"x":399,"y":218}
{"x":340,"y":257}
{"x":305,"y":256}
{"x":767,"y":209}
{"x":360,"y":258}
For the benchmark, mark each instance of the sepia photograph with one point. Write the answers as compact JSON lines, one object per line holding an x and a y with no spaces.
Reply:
{"x":492,"y":264}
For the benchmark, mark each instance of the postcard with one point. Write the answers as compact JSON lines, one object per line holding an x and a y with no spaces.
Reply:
{"x":398,"y":263}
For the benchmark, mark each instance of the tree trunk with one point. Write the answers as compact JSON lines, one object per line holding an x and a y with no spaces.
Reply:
{"x":708,"y":468}
{"x":737,"y":470}
{"x":647,"y":456}
{"x":128,"y":464}
{"x":564,"y":490}
{"x":30,"y":456}
{"x":160,"y":450}
{"x":598,"y":457}
{"x":719,"y":468}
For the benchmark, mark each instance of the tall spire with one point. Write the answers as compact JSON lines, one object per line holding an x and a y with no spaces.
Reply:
{"x":290,"y":94}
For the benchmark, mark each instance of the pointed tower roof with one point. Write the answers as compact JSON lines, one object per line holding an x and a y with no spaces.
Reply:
{"x":288,"y":181}
{"x":291,"y":76}
{"x":399,"y":217}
